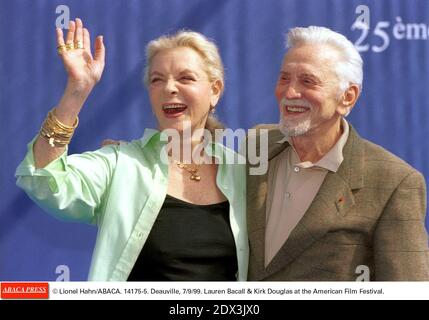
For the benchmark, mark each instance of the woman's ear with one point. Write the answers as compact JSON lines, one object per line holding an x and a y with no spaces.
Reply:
{"x":217,"y":87}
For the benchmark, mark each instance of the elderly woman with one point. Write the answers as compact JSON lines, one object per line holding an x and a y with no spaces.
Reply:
{"x":158,"y":220}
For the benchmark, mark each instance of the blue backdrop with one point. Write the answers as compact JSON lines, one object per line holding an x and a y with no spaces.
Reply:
{"x":392,"y":110}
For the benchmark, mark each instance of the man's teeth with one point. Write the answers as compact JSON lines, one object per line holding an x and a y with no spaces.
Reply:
{"x":296,"y":109}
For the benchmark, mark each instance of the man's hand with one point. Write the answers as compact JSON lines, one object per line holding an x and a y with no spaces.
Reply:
{"x":109,"y":141}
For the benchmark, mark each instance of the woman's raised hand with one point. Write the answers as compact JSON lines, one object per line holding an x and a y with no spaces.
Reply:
{"x":84,"y":70}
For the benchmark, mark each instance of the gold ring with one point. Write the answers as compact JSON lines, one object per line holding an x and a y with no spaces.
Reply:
{"x":78,"y":45}
{"x":61,"y":48}
{"x":69,"y":46}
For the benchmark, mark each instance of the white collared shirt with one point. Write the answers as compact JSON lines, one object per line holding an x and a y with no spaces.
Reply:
{"x":121,"y":189}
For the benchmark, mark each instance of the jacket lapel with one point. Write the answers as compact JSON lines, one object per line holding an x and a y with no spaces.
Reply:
{"x":257,"y":187}
{"x":332,"y":202}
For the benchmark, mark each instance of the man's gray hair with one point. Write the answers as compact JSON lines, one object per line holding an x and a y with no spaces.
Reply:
{"x":350,"y":69}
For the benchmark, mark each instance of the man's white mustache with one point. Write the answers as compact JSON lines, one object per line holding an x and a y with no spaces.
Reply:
{"x":303,"y":103}
{"x":295,"y":102}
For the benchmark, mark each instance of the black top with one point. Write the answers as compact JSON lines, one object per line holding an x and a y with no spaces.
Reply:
{"x":188,"y":242}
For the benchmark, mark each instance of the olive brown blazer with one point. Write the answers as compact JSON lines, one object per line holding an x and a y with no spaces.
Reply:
{"x":368,"y":217}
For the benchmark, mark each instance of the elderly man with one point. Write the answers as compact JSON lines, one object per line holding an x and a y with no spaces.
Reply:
{"x":332,"y":205}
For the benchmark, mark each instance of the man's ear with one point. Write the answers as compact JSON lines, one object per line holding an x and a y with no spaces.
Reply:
{"x":217,"y":87}
{"x":348,"y":99}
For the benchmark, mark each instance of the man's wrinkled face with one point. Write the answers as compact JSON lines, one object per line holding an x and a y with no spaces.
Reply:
{"x":307,"y":90}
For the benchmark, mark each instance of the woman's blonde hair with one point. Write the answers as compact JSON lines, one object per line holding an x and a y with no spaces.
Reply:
{"x":207,"y":50}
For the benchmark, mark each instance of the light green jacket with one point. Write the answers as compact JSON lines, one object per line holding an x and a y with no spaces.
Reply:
{"x":122,"y":189}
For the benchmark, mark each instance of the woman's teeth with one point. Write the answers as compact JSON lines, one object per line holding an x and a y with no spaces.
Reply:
{"x":174,"y":108}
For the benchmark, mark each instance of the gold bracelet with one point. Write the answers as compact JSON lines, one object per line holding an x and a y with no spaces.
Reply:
{"x":56,"y":133}
{"x":61,"y":125}
{"x":54,"y":142}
